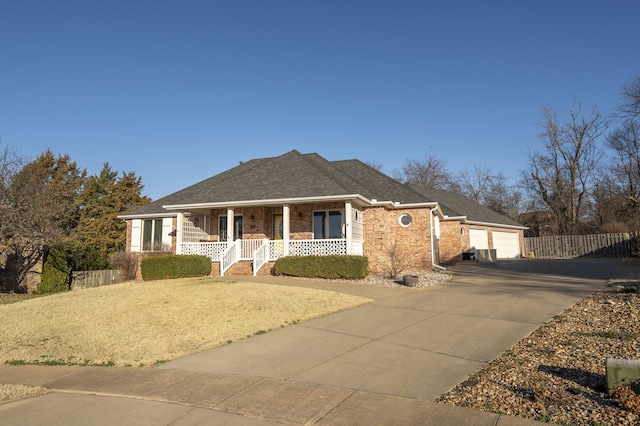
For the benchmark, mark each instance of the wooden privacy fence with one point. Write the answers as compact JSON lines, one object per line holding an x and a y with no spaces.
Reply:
{"x":572,"y":246}
{"x":89,"y":279}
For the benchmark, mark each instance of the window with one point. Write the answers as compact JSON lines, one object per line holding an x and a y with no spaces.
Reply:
{"x":405,"y":220}
{"x":152,"y":235}
{"x":237,"y":228}
{"x":327,"y":224}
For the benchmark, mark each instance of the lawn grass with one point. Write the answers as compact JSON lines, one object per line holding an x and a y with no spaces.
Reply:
{"x":143,"y":323}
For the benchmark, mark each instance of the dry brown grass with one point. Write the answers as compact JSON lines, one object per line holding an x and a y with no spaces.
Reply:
{"x":15,"y":392}
{"x":142,"y":323}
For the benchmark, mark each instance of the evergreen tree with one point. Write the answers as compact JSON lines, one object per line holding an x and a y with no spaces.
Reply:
{"x":37,"y":210}
{"x":100,"y":231}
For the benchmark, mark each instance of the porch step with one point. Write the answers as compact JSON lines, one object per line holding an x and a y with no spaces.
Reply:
{"x":241,"y":268}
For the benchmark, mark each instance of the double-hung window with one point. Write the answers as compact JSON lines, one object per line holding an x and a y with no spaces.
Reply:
{"x":328,"y":224}
{"x":152,"y":235}
{"x":237,"y":228}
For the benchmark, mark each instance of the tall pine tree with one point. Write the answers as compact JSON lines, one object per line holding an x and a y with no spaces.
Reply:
{"x":100,"y":231}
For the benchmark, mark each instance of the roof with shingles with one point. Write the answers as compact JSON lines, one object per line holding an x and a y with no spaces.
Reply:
{"x":456,"y":205}
{"x":289,"y":176}
{"x":295,"y":176}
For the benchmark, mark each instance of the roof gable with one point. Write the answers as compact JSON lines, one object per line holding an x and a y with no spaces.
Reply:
{"x":289,"y":176}
{"x":296,"y":176}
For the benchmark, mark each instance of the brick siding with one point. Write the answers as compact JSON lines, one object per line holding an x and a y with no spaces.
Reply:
{"x":382,"y":230}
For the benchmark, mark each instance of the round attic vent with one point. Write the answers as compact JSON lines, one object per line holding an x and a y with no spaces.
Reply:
{"x":405,"y":219}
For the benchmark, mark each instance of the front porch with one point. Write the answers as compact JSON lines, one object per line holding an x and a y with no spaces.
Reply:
{"x":261,"y":251}
{"x":262,"y":234}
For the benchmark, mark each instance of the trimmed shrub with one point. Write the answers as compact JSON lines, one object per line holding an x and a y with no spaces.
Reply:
{"x":174,"y":266}
{"x":329,"y":267}
{"x":55,"y":273}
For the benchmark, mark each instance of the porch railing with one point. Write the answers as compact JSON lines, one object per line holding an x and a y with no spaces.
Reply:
{"x":260,"y":256}
{"x":212,"y":249}
{"x":228,"y":253}
{"x":317,"y":247}
{"x":230,"y":256}
{"x":248,"y":248}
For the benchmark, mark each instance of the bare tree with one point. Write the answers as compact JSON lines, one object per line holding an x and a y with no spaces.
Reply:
{"x":475,"y":184}
{"x":625,"y":144}
{"x":630,"y":106}
{"x":430,"y":172}
{"x":617,"y":196}
{"x":374,"y":165}
{"x":35,"y":210}
{"x":490,"y":190}
{"x":561,"y":174}
{"x":503,"y":198}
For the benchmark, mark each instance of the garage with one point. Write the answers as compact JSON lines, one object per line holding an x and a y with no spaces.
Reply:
{"x":478,"y":239}
{"x":507,"y":244}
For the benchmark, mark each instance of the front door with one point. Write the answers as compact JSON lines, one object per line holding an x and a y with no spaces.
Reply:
{"x":278,"y":235}
{"x":278,"y":227}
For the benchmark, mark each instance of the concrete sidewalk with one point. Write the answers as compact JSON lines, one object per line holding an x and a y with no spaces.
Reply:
{"x":382,"y":363}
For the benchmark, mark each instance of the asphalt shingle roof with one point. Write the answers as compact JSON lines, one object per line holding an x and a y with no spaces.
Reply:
{"x":295,"y":175}
{"x":289,"y":176}
{"x":454,"y":205}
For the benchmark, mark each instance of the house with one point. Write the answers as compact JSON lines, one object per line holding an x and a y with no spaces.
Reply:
{"x":468,"y":226}
{"x":302,"y":204}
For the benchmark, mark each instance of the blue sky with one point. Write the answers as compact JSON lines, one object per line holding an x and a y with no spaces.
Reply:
{"x":178,"y":91}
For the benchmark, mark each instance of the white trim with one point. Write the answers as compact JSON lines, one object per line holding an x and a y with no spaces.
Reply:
{"x":463,"y":219}
{"x":302,"y":200}
{"x":348,"y":226}
{"x":230,"y":224}
{"x":433,"y":255}
{"x":179,"y":221}
{"x":167,"y":229}
{"x":460,"y":218}
{"x":136,"y":236}
{"x":497,"y":225}
{"x":268,"y":202}
{"x":286,"y":227}
{"x":147,"y":216}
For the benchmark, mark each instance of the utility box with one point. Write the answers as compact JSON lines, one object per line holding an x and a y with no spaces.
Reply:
{"x":623,"y":372}
{"x":487,"y":255}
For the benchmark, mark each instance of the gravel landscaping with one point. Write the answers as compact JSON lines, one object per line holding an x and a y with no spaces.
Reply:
{"x":425,"y":279}
{"x":557,"y":374}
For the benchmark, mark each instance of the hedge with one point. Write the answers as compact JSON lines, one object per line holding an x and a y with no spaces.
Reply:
{"x":329,"y":267}
{"x":175,"y":266}
{"x":56,"y":275}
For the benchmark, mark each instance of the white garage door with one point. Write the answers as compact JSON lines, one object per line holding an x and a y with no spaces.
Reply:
{"x":478,"y":239}
{"x":507,"y":244}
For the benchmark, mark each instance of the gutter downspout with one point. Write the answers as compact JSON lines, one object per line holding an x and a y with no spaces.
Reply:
{"x":433,"y":261}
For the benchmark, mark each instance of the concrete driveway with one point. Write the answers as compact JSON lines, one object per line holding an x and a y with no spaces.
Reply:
{"x":419,"y":343}
{"x":381,"y":363}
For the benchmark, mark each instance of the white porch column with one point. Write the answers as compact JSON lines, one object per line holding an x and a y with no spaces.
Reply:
{"x":179,"y":222}
{"x":230,"y":224}
{"x":285,"y":228}
{"x":347,"y":224}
